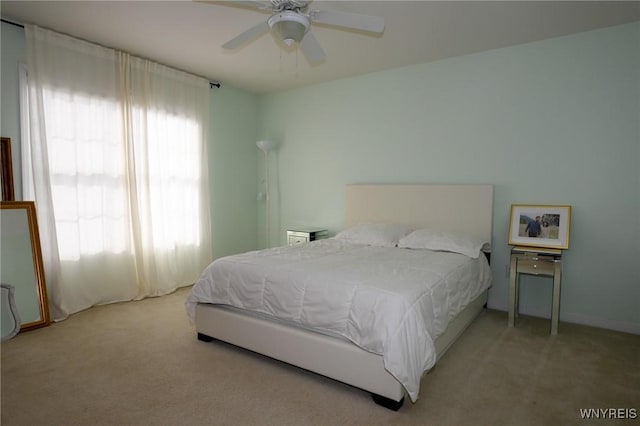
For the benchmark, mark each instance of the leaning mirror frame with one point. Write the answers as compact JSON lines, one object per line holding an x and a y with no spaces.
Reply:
{"x":33,"y":236}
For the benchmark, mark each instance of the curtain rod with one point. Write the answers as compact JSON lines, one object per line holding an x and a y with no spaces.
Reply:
{"x":11,"y":23}
{"x":212,"y":84}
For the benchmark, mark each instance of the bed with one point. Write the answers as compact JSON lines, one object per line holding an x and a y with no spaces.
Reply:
{"x":247,"y":310}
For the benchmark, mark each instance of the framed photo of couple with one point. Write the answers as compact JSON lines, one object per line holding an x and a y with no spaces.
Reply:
{"x":540,"y":226}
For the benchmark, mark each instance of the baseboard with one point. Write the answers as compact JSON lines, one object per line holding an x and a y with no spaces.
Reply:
{"x":623,"y":326}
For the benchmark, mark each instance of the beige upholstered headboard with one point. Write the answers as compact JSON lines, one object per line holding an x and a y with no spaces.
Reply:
{"x":463,"y":208}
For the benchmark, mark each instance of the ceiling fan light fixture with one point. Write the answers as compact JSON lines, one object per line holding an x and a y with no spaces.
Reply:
{"x":289,"y":26}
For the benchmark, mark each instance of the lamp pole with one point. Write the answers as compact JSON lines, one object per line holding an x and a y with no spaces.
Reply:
{"x":266,"y":146}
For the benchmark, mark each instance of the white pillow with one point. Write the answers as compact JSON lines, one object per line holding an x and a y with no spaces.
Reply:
{"x":434,"y":239}
{"x":375,"y":234}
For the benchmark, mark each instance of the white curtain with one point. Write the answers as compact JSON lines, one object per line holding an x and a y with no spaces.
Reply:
{"x":119,"y":163}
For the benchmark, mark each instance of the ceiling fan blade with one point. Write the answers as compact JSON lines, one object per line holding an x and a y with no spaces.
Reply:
{"x":249,"y":35}
{"x":354,"y":21}
{"x":252,"y":4}
{"x":312,"y":49}
{"x":260,"y":5}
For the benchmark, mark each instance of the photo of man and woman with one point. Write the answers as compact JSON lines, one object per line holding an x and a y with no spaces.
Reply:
{"x":539,"y":226}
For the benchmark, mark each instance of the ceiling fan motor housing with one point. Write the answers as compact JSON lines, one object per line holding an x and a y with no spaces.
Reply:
{"x":289,"y":26}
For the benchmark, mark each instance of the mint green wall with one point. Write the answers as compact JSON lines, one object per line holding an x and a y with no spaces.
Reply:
{"x":233,"y":171}
{"x":12,"y":48}
{"x":551,"y":122}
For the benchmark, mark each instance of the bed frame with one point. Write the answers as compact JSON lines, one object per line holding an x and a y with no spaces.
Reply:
{"x":466,"y":208}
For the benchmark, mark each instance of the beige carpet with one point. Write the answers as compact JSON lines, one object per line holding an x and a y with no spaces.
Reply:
{"x":139,"y":363}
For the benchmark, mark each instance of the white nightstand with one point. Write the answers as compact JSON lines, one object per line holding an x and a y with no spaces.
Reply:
{"x":535,"y":261}
{"x":305,"y":235}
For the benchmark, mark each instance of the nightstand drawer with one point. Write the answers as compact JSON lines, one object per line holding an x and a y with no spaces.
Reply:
{"x":301,"y":236}
{"x":296,"y":239}
{"x":536,"y":266}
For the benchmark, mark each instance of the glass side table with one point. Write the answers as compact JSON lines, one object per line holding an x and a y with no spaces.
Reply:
{"x":535,"y":261}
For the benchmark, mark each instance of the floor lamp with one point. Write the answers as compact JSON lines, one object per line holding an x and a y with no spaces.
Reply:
{"x":266,"y":146}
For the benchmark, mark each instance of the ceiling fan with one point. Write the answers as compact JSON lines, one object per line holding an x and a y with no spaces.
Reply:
{"x":290,"y":21}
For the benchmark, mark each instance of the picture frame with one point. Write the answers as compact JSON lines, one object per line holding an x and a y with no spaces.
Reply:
{"x":546,"y":226}
{"x":6,"y":171}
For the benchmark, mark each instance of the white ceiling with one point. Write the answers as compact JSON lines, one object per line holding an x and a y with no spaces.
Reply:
{"x":187,"y":35}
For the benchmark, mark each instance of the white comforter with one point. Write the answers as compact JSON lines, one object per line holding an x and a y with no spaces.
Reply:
{"x":390,"y":301}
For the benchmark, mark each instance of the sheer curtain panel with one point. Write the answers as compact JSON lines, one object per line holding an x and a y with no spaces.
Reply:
{"x":118,"y":157}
